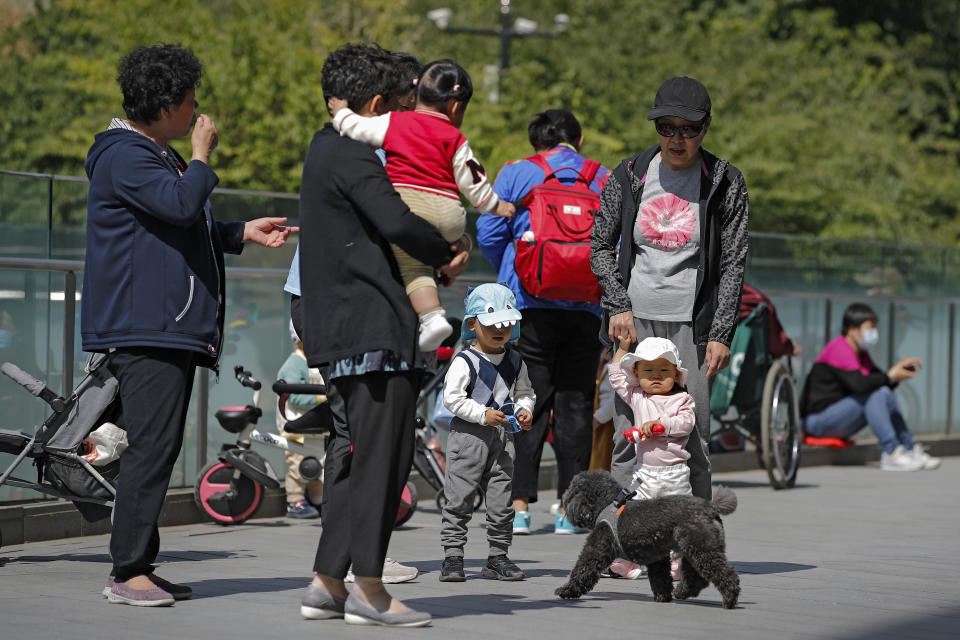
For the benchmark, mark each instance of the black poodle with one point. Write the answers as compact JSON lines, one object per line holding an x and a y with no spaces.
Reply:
{"x":645,"y":531}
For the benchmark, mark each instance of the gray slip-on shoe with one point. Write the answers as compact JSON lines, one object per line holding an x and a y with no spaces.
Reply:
{"x":357,"y":612}
{"x":317,"y":604}
{"x":120,"y":593}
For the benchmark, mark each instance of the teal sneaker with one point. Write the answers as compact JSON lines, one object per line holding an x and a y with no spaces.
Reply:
{"x":563,"y":526}
{"x":521,"y":523}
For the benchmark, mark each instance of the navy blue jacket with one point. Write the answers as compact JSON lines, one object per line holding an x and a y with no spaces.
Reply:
{"x":154,"y":271}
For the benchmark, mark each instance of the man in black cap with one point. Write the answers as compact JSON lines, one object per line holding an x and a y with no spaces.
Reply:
{"x":680,"y":215}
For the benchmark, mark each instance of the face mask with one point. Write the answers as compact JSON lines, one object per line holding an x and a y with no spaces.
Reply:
{"x":6,"y":339}
{"x":870,"y":337}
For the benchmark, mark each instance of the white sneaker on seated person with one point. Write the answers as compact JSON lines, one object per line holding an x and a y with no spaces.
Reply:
{"x":919,"y":452}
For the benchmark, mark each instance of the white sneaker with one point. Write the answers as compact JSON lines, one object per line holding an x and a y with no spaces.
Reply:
{"x":434,"y":329}
{"x":919,"y":452}
{"x":393,"y":573}
{"x":900,"y":460}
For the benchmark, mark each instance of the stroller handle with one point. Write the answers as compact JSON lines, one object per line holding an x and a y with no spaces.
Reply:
{"x":282,"y":386}
{"x":34,"y":386}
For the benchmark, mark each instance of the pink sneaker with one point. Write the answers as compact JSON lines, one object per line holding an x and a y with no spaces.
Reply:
{"x":626,"y":569}
{"x":675,"y":568}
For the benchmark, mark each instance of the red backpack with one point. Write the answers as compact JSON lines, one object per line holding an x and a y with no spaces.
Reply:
{"x":555,"y":264}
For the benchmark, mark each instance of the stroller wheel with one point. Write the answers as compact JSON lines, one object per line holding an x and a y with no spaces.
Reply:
{"x":780,"y":428}
{"x":408,"y":504}
{"x":222,"y":498}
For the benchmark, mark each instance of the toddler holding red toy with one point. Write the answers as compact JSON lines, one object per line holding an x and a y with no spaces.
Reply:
{"x":651,"y":380}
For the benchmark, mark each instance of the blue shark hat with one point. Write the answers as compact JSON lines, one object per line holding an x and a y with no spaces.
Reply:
{"x":490,"y":304}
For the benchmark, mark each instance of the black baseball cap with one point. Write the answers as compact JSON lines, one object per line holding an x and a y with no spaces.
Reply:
{"x":681,"y":97}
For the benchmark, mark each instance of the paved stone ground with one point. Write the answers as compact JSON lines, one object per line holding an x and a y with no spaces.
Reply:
{"x":851,"y":553}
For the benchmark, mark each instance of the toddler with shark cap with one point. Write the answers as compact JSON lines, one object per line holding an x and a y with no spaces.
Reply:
{"x":488,"y":390}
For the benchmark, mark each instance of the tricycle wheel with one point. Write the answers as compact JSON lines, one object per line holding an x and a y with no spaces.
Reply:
{"x":224,"y":498}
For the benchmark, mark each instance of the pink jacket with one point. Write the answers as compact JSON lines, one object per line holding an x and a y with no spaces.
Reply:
{"x":675,"y":412}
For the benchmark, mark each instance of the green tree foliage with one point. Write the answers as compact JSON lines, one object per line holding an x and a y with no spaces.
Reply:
{"x":843,"y":116}
{"x":261,"y":85}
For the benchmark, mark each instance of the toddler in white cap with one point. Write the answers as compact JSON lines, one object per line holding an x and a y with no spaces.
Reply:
{"x":651,"y":380}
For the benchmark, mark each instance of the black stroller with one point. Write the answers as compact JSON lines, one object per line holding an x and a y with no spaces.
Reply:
{"x":428,"y":456}
{"x":58,"y":446}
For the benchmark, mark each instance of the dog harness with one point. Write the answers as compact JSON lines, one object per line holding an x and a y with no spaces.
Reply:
{"x":610,"y":515}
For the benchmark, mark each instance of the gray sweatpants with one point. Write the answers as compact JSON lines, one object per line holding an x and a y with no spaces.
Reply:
{"x":481,"y":457}
{"x":693,"y":359}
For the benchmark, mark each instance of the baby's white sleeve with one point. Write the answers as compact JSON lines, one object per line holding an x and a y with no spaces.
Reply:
{"x":472,"y":180}
{"x":371,"y":131}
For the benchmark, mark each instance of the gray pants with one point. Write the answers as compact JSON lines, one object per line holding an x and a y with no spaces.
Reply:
{"x":478,"y":457}
{"x":693,"y":359}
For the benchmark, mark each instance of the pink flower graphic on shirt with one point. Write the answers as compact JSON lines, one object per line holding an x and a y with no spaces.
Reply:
{"x":667,"y":222}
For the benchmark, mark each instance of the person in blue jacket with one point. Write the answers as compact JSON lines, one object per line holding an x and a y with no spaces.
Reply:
{"x":153,"y":290}
{"x":558,"y":339}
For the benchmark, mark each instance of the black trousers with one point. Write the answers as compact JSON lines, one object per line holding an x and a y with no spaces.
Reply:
{"x":561,"y":349}
{"x":366,"y":469}
{"x":155,"y":388}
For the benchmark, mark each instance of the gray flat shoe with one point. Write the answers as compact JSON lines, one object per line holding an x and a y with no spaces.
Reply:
{"x":317,"y":604}
{"x":357,"y":612}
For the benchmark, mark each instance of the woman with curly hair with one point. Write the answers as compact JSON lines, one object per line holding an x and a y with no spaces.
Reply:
{"x":153,"y":290}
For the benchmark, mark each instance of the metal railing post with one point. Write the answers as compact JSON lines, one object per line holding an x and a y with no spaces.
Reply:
{"x":69,"y":326}
{"x":203,"y":404}
{"x":826,"y":321}
{"x":891,"y":345}
{"x":951,"y":345}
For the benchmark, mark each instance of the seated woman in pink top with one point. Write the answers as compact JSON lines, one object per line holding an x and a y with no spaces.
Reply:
{"x":651,"y":380}
{"x":845,"y":391}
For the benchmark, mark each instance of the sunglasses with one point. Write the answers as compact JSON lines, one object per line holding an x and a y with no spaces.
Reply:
{"x":686,"y":131}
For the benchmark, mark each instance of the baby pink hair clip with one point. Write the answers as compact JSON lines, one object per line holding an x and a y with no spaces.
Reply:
{"x":415,"y":81}
{"x":456,"y":88}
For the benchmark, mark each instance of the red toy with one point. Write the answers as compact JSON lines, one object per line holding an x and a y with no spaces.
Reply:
{"x":634,"y":435}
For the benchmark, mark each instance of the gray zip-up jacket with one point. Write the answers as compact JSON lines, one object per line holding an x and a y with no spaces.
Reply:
{"x":724,"y":215}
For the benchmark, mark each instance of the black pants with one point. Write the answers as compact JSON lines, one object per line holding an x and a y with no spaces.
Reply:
{"x":561,"y":350}
{"x":366,"y":470}
{"x":155,"y":387}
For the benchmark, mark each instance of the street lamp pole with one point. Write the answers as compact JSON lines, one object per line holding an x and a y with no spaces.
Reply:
{"x":505,"y":34}
{"x":521,"y":28}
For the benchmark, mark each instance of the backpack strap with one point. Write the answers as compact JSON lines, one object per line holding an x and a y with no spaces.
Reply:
{"x":585,"y":174}
{"x":589,"y":170}
{"x":538,"y":160}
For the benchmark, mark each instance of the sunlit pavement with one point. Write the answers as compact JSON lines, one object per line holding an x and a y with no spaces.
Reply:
{"x":850,"y":552}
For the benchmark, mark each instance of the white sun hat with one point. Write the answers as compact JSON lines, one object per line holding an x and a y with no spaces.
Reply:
{"x":651,"y":349}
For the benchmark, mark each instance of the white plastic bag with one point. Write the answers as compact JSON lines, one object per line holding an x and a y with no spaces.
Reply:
{"x":104,"y":444}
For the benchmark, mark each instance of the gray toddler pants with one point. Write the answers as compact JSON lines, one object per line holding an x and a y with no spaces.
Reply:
{"x":478,"y":457}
